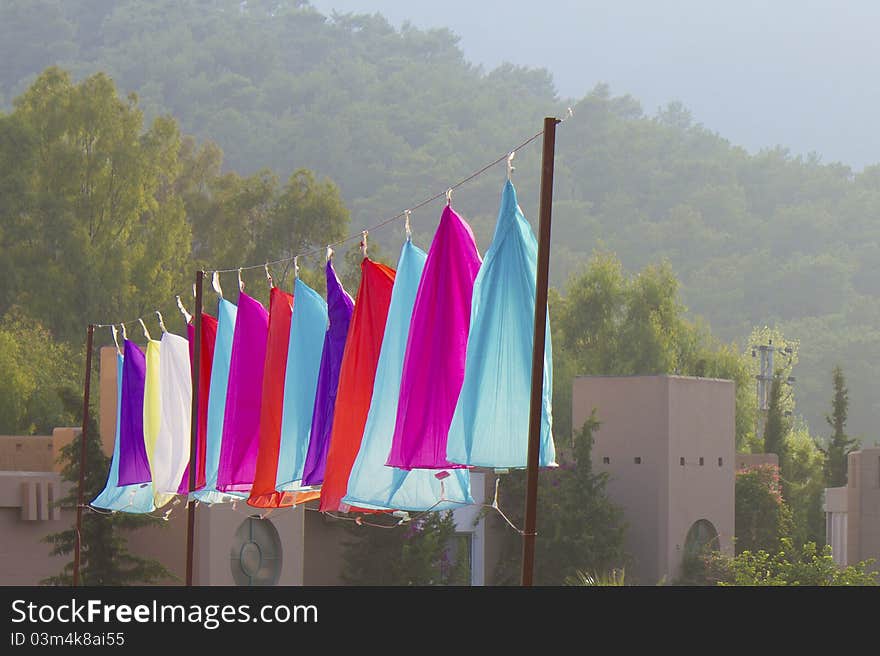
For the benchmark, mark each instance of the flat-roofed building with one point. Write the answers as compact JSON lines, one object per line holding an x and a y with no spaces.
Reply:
{"x":667,"y":443}
{"x":852,"y":512}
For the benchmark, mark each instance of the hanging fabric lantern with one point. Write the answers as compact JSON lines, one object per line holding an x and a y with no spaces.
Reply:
{"x":433,"y":367}
{"x":152,"y":400}
{"x":138,"y":498}
{"x":339,"y":309}
{"x":134,"y":466}
{"x":263,"y":494}
{"x":491,"y":423}
{"x":371,"y":484}
{"x":241,"y":424}
{"x":206,"y":362}
{"x":308,"y":326}
{"x":356,"y":377}
{"x":171,"y":449}
{"x":226,"y":317}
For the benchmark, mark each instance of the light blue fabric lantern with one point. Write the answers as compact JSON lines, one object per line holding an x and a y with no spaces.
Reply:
{"x":371,"y":483}
{"x":137,"y":498}
{"x":226,"y":313}
{"x":307,"y":327}
{"x":490,"y":427}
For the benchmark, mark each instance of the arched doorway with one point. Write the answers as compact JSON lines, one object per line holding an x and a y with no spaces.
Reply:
{"x":701,"y":537}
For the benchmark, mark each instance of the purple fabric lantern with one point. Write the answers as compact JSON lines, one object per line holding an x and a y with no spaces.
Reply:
{"x":340,"y":307}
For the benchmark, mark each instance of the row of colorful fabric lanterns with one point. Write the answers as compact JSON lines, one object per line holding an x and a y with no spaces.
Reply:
{"x":378,"y":404}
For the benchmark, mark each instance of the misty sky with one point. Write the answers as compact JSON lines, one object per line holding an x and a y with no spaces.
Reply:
{"x":800,"y":73}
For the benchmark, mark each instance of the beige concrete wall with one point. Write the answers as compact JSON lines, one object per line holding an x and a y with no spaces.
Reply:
{"x":866,"y":463}
{"x":35,"y":452}
{"x":633,"y":412}
{"x":164,"y":541}
{"x":26,"y":453}
{"x":107,"y":398}
{"x":853,"y":509}
{"x":323,"y":549}
{"x":24,"y":558}
{"x":702,"y":431}
{"x":27,"y":515}
{"x":214,"y":538}
{"x":661,"y":419}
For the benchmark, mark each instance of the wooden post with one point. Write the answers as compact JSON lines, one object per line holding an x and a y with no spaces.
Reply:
{"x":535,"y":407}
{"x":87,"y":388}
{"x":194,"y":429}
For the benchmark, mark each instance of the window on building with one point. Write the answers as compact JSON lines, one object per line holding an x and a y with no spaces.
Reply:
{"x":606,"y":460}
{"x":456,"y":565}
{"x":637,"y":460}
{"x":681,"y":461}
{"x":701,"y":461}
{"x":720,"y":462}
{"x":256,"y":553}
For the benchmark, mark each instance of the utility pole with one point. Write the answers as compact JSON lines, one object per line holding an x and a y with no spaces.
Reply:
{"x":765,"y":379}
{"x":546,"y":206}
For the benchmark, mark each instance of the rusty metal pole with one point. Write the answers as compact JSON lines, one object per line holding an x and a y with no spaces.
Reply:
{"x":87,"y":389}
{"x":535,"y":407}
{"x":194,"y":428}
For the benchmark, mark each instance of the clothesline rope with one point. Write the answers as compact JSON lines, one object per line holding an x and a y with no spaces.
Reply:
{"x":249,"y":512}
{"x":359,"y":234}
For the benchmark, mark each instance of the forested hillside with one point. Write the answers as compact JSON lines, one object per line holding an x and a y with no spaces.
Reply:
{"x":395,"y":116}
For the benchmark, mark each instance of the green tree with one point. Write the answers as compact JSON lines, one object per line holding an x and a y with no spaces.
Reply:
{"x":104,"y":555}
{"x":840,"y":445}
{"x":92,"y":225}
{"x":255,"y":218}
{"x":752,"y":237}
{"x":762,"y":518}
{"x":790,"y":565}
{"x":778,"y":425}
{"x":579,"y":528}
{"x":37,"y":372}
{"x":805,"y":485}
{"x":609,"y":323}
{"x":423,"y":551}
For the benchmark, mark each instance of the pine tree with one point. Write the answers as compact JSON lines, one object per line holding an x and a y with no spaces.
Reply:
{"x":778,"y":425}
{"x":579,"y":527}
{"x":104,"y":557}
{"x":422,"y":551}
{"x":840,"y":445}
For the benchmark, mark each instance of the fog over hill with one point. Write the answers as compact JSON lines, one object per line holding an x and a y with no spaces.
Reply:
{"x":797,"y":73}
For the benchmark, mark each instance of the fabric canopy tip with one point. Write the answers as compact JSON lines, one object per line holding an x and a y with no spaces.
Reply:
{"x":241,"y":424}
{"x":136,"y":498}
{"x":209,"y":326}
{"x":356,"y":378}
{"x":171,"y":449}
{"x":436,"y":343}
{"x":227,"y":313}
{"x":307,"y":329}
{"x":134,"y":465}
{"x":340,"y":307}
{"x":371,"y":484}
{"x":490,"y":427}
{"x":263,"y":493}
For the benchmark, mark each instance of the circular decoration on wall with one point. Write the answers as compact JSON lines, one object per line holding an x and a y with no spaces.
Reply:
{"x":255,"y":556}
